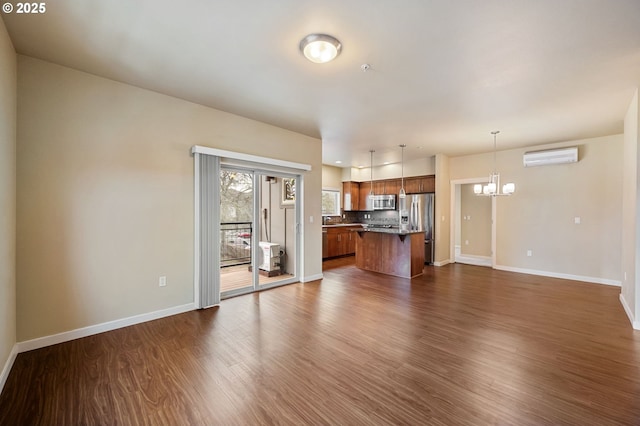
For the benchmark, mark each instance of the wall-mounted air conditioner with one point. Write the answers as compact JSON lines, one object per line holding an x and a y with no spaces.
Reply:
{"x":550,"y":156}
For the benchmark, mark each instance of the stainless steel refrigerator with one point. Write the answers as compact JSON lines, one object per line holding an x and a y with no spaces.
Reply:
{"x":421,"y":216}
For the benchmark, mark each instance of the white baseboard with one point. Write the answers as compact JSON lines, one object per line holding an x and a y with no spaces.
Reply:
{"x":315,"y":277}
{"x":627,"y":310}
{"x":593,"y":280}
{"x":66,"y":336}
{"x":7,"y":367}
{"x":442,"y":262}
{"x":471,"y":259}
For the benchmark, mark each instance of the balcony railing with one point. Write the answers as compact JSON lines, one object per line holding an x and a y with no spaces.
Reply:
{"x":235,"y":243}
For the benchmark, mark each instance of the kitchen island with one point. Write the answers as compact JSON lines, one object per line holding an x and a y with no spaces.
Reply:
{"x":390,"y":251}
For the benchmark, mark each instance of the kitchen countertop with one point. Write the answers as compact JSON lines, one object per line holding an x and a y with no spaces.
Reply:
{"x":337,"y":225}
{"x":394,"y":231}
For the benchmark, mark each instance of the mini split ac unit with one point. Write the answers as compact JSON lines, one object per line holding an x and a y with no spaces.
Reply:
{"x":270,"y":260}
{"x":550,"y":156}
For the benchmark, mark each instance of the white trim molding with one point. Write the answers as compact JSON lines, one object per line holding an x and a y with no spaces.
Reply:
{"x":471,"y":259}
{"x":7,"y":367}
{"x":635,"y":324}
{"x":452,"y":213}
{"x":66,"y":336}
{"x":312,"y":278}
{"x":593,"y":280}
{"x":197,"y":149}
{"x":442,"y":262}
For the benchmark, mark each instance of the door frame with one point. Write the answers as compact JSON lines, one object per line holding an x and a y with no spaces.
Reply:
{"x":256,"y":224}
{"x":455,"y":183}
{"x":231,"y":158}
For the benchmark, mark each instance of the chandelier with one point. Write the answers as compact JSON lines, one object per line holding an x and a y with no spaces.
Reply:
{"x":492,"y":188}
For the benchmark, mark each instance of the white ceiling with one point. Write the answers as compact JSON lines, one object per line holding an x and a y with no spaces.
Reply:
{"x":443,"y":75}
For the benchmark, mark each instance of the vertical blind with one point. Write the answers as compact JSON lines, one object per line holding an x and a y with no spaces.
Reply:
{"x":209,"y":236}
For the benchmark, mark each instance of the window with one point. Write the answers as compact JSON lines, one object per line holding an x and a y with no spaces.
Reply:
{"x":330,"y":202}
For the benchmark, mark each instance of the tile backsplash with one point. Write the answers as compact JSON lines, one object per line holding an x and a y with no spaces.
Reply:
{"x":379,"y":217}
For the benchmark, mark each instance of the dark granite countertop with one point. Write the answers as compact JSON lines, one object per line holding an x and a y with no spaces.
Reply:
{"x":394,"y":231}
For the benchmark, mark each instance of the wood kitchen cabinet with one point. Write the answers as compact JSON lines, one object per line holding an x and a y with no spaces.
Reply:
{"x":359,"y":191}
{"x":391,"y":186}
{"x":339,"y":241}
{"x":350,"y":196}
{"x":386,"y":187}
{"x":419,"y":184}
{"x":378,"y":187}
{"x":325,"y":244}
{"x":365,"y":188}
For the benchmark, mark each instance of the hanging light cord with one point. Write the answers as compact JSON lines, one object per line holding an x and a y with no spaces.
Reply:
{"x":371,"y":190}
{"x":494,"y":133}
{"x":402,"y":146}
{"x":402,"y":194}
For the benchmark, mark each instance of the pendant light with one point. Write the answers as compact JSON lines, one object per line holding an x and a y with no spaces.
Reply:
{"x":492,"y":188}
{"x":402,"y":193}
{"x":371,"y":194}
{"x":402,"y":199}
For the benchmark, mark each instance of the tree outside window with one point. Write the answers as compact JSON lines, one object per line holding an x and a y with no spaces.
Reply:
{"x":330,"y":202}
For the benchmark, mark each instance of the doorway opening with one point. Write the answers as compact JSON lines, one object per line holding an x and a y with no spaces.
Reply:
{"x":473,"y":233}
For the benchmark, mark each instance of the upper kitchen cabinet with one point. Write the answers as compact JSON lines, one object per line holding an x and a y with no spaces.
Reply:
{"x":391,"y":187}
{"x":365,"y":189}
{"x":420,"y":184}
{"x":350,"y":196}
{"x":386,"y":187}
{"x":355,"y":193}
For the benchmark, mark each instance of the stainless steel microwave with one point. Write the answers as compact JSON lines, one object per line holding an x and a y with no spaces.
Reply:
{"x":382,"y":202}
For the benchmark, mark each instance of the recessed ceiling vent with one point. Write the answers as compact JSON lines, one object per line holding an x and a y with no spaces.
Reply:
{"x":550,"y":156}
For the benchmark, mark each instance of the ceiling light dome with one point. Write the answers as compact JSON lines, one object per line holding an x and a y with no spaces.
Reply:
{"x":320,"y":48}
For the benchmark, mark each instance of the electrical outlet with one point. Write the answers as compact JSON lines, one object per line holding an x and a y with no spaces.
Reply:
{"x":529,"y":253}
{"x":577,"y":220}
{"x":162,"y":282}
{"x":310,"y":219}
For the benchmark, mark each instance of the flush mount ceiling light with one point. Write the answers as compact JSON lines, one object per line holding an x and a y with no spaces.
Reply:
{"x":320,"y":48}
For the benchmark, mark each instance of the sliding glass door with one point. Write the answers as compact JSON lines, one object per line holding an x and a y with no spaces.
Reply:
{"x":278,"y":224}
{"x":258,"y":230}
{"x":236,"y":230}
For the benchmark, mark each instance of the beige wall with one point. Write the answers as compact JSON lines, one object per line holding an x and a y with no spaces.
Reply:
{"x":475,"y":223}
{"x":540,"y":216}
{"x":420,"y":167}
{"x":630,"y":212}
{"x":331,"y":177}
{"x":105,"y":195}
{"x":442,"y":210}
{"x":7,"y":197}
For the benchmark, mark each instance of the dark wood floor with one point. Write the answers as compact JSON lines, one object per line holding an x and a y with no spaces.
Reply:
{"x":459,"y":345}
